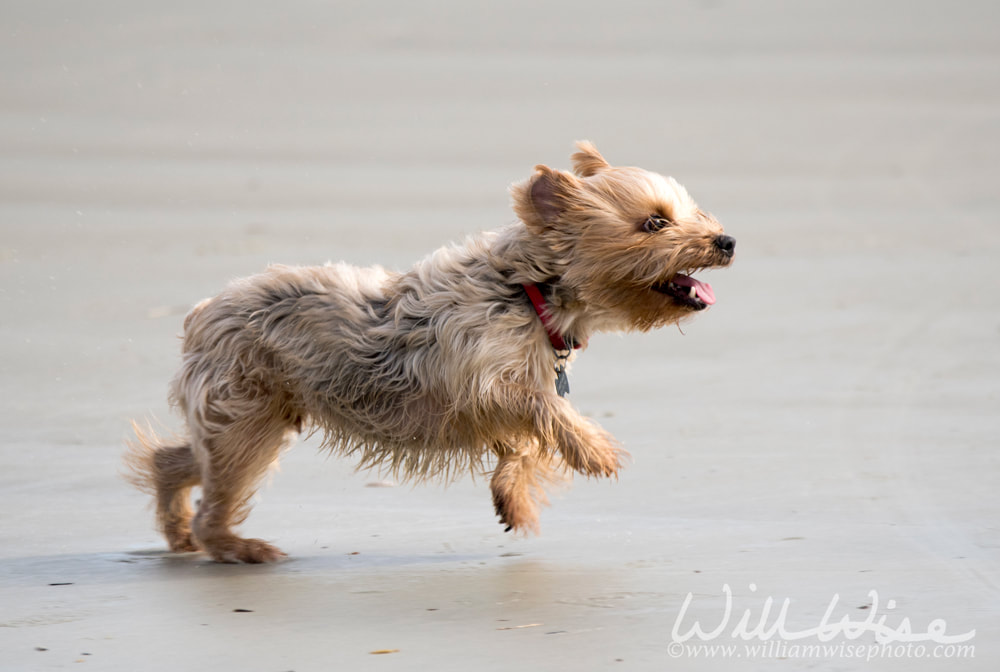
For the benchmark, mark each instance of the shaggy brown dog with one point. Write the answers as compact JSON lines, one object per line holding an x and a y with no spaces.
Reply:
{"x":428,"y":372}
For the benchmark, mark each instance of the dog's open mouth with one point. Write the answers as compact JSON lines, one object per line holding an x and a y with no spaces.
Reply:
{"x":687,"y":291}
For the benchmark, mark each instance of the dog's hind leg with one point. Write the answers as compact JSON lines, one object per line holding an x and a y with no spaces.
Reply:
{"x":176,"y":473}
{"x":234,"y":456}
{"x":168,"y":471}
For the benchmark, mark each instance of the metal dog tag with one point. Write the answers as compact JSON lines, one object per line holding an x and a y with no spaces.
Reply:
{"x":562,"y":380}
{"x":562,"y":383}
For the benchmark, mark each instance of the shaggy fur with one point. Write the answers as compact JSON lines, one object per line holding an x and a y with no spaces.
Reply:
{"x":429,"y":372}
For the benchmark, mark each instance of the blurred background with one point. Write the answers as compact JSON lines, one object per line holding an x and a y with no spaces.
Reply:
{"x":831,"y":420}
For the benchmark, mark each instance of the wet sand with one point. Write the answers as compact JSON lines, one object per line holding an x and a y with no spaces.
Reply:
{"x":827,"y":430}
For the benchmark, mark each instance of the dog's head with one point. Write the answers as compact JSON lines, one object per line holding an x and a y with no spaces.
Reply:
{"x":624,"y":240}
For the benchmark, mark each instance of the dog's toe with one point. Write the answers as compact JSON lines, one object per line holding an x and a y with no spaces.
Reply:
{"x":236,"y":550}
{"x":183,"y":545}
{"x":180,"y":540}
{"x":256,"y":551}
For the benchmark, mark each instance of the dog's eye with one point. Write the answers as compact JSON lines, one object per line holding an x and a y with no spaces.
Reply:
{"x":655,"y":223}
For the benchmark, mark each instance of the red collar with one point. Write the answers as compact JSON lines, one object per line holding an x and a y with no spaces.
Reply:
{"x":542,"y":308}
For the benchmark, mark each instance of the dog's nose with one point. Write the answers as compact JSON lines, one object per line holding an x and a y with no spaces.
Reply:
{"x":726,"y":244}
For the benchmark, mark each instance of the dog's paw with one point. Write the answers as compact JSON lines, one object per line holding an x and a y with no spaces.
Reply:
{"x":604,"y":462}
{"x":523,"y":526}
{"x":598,"y":464}
{"x":595,"y":453}
{"x":517,"y":513}
{"x":181,"y":541}
{"x":238,"y":550}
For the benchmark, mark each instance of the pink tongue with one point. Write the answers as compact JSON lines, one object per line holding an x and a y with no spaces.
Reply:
{"x":702,"y":289}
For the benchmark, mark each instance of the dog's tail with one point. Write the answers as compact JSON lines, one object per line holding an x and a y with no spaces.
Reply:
{"x":152,"y":461}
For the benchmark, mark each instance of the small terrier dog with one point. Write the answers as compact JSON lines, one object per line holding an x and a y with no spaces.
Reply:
{"x":430,"y":372}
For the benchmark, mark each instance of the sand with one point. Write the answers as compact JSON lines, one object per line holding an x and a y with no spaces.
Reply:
{"x":824,"y":436}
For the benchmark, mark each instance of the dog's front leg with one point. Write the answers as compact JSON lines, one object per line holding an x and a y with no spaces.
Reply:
{"x":584,"y":445}
{"x":517,"y":493}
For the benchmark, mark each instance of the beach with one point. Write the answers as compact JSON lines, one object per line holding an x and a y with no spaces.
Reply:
{"x":823,"y":438}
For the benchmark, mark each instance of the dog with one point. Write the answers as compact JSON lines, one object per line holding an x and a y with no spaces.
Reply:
{"x":434,"y":372}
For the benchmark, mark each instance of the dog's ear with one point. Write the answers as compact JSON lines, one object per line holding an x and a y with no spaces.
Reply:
{"x":549,"y":194}
{"x":588,"y":161}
